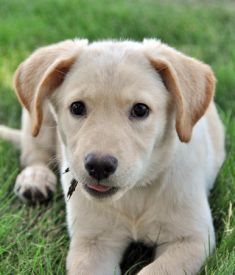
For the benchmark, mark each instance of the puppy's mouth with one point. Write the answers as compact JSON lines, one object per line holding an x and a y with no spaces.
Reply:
{"x":100,"y":190}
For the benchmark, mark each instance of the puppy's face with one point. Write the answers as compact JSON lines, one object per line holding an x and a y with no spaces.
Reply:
{"x":112,"y":112}
{"x":119,"y":107}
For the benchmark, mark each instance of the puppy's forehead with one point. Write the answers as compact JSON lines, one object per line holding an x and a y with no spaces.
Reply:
{"x":107,"y":68}
{"x":104,"y":60}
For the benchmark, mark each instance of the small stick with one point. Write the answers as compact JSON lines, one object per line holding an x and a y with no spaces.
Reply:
{"x":72,"y":188}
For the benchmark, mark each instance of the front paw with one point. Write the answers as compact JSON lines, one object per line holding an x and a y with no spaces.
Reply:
{"x":81,"y":270}
{"x":161,"y":269}
{"x":84,"y":264}
{"x":74,"y":268}
{"x":78,"y":271}
{"x":35,"y":183}
{"x":151,"y":269}
{"x":75,"y":265}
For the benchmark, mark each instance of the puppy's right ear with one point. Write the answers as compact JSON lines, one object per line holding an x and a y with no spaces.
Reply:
{"x":44,"y":71}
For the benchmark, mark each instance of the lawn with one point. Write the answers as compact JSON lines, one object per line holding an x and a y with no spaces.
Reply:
{"x":34,"y":240}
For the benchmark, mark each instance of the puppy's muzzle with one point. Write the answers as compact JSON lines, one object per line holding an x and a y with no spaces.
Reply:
{"x":100,"y":167}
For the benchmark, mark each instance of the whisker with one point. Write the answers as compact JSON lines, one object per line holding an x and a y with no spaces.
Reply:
{"x":61,"y":72}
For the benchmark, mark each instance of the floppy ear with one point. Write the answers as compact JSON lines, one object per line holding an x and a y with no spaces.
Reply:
{"x":39,"y":75}
{"x":191,"y":83}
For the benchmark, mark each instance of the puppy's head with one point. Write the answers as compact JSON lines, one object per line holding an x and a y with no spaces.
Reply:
{"x":119,"y":107}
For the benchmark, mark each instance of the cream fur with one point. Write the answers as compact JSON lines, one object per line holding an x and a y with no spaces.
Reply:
{"x":164,"y":183}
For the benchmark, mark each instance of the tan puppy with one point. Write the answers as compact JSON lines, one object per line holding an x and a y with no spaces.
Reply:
{"x":136,"y":125}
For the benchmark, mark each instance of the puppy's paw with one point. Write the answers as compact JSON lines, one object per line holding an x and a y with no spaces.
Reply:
{"x":155,"y":269}
{"x":77,"y":265}
{"x":35,"y":183}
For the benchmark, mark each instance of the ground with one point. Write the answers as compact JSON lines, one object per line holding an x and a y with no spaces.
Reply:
{"x":34,"y":240}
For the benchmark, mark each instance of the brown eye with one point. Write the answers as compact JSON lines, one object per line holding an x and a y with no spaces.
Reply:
{"x":139,"y":111}
{"x":78,"y":108}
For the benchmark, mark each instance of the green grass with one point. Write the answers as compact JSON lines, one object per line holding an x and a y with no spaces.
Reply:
{"x":34,"y":240}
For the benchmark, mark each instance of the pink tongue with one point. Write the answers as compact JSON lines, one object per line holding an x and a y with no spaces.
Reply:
{"x":99,"y":187}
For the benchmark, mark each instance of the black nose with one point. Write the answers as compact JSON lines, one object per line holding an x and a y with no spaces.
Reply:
{"x":100,"y":167}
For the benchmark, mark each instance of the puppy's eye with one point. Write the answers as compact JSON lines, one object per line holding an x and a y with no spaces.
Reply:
{"x":139,"y":111}
{"x":78,"y":108}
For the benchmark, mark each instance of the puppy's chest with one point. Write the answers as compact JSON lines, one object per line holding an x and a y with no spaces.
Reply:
{"x":143,"y":221}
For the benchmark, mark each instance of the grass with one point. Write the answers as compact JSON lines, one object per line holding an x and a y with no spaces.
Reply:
{"x":34,"y":240}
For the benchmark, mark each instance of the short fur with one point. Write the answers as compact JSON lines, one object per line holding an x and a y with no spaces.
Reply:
{"x":167,"y":162}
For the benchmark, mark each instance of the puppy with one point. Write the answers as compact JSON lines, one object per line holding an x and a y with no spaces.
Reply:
{"x":139,"y":144}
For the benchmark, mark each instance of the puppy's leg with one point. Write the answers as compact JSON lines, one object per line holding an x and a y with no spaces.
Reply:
{"x":180,"y":258}
{"x":186,"y":254}
{"x":36,"y":181}
{"x":91,"y":256}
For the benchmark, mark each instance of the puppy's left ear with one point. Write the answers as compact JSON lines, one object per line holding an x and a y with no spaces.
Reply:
{"x":191,"y":83}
